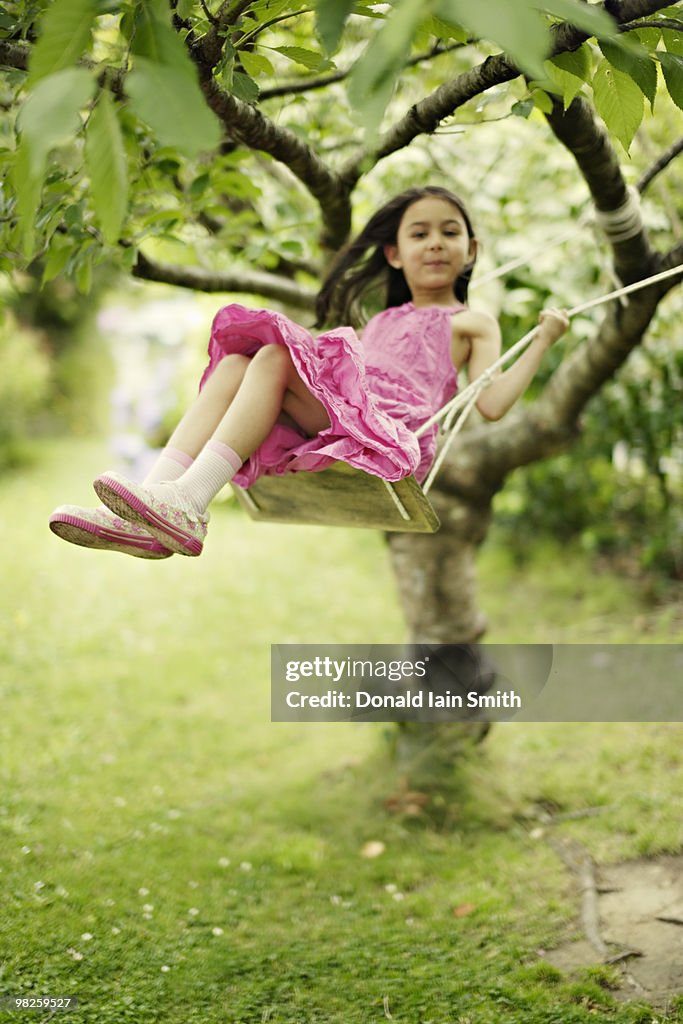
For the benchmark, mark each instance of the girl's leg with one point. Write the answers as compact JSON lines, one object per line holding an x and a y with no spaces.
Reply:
{"x":270,"y":387}
{"x":200,"y":420}
{"x":176,"y":512}
{"x":208,"y":408}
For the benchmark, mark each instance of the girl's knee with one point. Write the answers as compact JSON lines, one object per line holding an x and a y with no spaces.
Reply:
{"x":229,"y":372}
{"x":231,"y":368}
{"x":233,"y":363}
{"x":274,"y":359}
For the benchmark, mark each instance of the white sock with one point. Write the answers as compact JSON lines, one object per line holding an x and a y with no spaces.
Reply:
{"x":213,"y":468}
{"x":170,"y":465}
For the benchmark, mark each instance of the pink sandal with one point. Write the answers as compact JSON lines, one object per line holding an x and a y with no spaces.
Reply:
{"x":100,"y":528}
{"x":177,"y":528}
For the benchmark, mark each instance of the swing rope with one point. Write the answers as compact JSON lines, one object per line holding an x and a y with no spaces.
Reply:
{"x":465,"y":400}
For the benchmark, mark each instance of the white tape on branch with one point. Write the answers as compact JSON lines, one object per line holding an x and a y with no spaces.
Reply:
{"x":625,"y":222}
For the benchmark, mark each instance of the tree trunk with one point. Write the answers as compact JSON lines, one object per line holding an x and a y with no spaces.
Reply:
{"x":436,"y":574}
{"x":436,"y":579}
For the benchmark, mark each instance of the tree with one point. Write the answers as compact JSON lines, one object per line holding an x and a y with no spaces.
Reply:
{"x":223,"y":147}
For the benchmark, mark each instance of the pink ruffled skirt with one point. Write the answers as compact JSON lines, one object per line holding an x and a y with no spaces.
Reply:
{"x":361,"y":432}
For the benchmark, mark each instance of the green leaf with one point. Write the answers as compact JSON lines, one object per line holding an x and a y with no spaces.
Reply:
{"x":330,"y":19}
{"x":639,"y":66}
{"x":50,"y":114}
{"x":569,"y":71}
{"x":364,"y":10}
{"x":300,"y":55}
{"x":264,"y":11}
{"x":105,"y":158}
{"x":520,"y":31}
{"x":64,"y":34}
{"x":672,"y":66}
{"x":542,"y":101}
{"x":128,"y":258}
{"x":255,"y":64}
{"x":28,"y":182}
{"x":673,"y":41}
{"x":173,"y":105}
{"x":83,"y":274}
{"x":619,"y":102}
{"x":575,"y":62}
{"x":244,"y":87}
{"x":523,"y":108}
{"x":57,"y":257}
{"x":154,"y":38}
{"x":235,"y":183}
{"x":647,"y":37}
{"x":199,"y":186}
{"x":374,"y":75}
{"x":444,"y":30}
{"x":591,"y":19}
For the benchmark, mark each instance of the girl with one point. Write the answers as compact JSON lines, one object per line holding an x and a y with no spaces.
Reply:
{"x":273,"y":399}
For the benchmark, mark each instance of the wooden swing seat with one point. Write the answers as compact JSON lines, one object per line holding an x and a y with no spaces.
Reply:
{"x":340,"y":496}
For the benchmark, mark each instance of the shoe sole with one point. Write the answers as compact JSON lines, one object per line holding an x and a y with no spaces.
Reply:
{"x":79,"y":531}
{"x":128,"y":506}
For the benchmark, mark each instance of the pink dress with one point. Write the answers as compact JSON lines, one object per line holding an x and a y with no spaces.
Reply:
{"x":377,"y":390}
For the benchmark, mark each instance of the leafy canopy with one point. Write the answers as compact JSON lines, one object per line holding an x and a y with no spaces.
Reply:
{"x":140,"y":120}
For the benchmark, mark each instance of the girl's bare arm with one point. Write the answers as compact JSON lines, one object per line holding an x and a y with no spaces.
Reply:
{"x":479,"y":334}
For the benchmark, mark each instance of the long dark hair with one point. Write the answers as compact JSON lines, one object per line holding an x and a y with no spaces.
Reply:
{"x":356,"y":270}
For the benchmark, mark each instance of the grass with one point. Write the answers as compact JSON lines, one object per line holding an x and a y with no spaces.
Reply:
{"x":169,"y":854}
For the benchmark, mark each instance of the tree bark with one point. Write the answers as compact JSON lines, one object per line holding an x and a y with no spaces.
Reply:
{"x":259,"y":282}
{"x":436,"y":573}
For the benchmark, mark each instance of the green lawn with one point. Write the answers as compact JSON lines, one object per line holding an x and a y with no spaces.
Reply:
{"x":169,"y":854}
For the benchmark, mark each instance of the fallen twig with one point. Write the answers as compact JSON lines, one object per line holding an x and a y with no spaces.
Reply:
{"x":580,"y":863}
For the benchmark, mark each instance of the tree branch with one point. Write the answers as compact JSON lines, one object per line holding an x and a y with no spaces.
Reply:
{"x":665,"y":159}
{"x":246,"y":124}
{"x":209,"y":16}
{"x":586,"y":138}
{"x":253,"y":282}
{"x":659,"y":23}
{"x":425,"y":116}
{"x":674,"y":258}
{"x":14,"y":55}
{"x":630,"y":10}
{"x":309,"y":84}
{"x":231,"y":10}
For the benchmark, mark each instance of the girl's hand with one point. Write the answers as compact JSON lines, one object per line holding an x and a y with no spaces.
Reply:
{"x":552,"y":325}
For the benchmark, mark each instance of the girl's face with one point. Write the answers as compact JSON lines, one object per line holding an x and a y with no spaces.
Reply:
{"x":432,"y":248}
